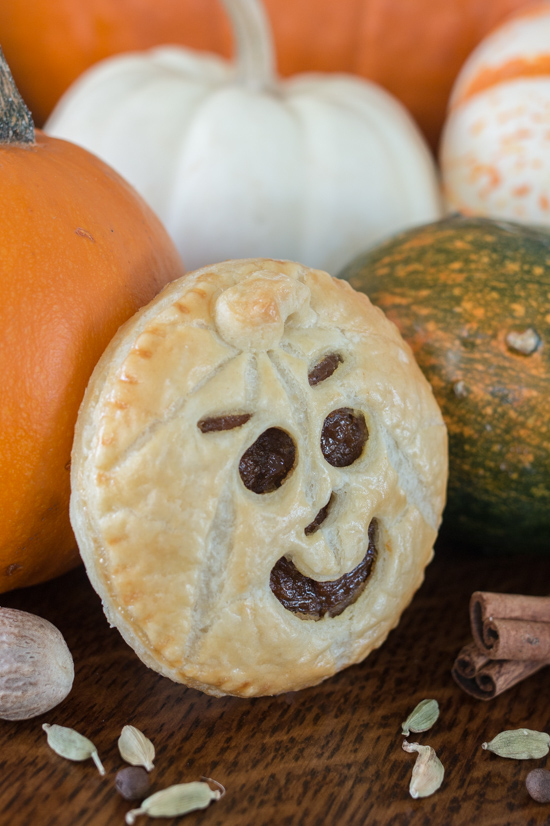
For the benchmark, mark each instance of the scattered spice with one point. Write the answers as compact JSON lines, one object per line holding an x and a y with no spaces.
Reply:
{"x":428,"y":771}
{"x":421,"y":718}
{"x":511,"y":641}
{"x":178,"y":800}
{"x":511,"y":626}
{"x":132,"y":783}
{"x":70,"y":744}
{"x":519,"y":744}
{"x":537,"y":784}
{"x":36,"y":666}
{"x":135,"y":748}
{"x":483,"y":678}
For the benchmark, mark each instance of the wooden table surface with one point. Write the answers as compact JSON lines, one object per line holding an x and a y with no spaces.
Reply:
{"x":327,"y":755}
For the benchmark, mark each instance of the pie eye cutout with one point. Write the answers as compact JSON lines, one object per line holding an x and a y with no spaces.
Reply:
{"x":229,"y":422}
{"x":324,"y":368}
{"x":311,"y":599}
{"x":343,"y":436}
{"x":265,"y":465}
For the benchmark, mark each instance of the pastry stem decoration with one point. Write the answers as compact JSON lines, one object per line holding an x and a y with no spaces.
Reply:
{"x":511,"y":641}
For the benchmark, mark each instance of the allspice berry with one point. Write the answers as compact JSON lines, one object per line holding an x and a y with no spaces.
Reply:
{"x":36,"y":667}
{"x":537,"y":784}
{"x":133,"y":783}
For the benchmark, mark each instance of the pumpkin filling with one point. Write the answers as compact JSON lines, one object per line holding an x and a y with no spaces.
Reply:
{"x":311,"y":599}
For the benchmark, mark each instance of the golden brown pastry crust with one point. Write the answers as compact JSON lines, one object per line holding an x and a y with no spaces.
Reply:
{"x":179,"y":549}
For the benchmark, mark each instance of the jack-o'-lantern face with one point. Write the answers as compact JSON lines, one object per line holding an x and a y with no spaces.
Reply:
{"x":258,"y":477}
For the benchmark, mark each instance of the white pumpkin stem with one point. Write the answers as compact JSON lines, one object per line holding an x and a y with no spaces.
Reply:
{"x":255,"y":58}
{"x":16,"y":125}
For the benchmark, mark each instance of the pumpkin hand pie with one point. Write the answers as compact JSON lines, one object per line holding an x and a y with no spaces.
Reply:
{"x":258,"y":477}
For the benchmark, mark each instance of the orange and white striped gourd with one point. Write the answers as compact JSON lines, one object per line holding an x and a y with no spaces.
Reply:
{"x":495,"y":150}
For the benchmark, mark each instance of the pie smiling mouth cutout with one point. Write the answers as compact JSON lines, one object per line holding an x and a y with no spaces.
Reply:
{"x":265,"y":466}
{"x":258,"y":475}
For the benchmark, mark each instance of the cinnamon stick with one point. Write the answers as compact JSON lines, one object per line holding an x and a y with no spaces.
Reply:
{"x":511,"y":626}
{"x":485,"y":679}
{"x":511,"y":639}
{"x":470,"y":660}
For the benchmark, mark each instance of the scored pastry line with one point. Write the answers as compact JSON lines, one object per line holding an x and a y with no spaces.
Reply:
{"x":219,"y":543}
{"x":290,"y":346}
{"x":171,"y":413}
{"x":415,"y":489}
{"x":294,"y":391}
{"x":209,"y":589}
{"x":209,"y":593}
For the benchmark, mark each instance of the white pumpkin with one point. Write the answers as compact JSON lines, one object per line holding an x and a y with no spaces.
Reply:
{"x":495,"y":149}
{"x":238,"y":164}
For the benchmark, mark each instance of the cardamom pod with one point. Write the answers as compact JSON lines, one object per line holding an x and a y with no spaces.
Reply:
{"x":177,"y":800}
{"x":519,"y":744}
{"x":135,"y":748}
{"x":428,"y":771}
{"x":70,"y":744}
{"x":421,"y":718}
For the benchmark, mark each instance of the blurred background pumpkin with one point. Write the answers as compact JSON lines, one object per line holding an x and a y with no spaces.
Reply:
{"x":238,"y":164}
{"x":80,"y":252}
{"x":495,"y":151}
{"x":413,"y":48}
{"x":470,"y":296}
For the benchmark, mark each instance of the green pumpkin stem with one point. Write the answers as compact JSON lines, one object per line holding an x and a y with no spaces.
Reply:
{"x":254,"y":53}
{"x":16,"y":124}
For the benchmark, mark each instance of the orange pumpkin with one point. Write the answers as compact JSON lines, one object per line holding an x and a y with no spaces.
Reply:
{"x":80,"y":252}
{"x":413,"y":48}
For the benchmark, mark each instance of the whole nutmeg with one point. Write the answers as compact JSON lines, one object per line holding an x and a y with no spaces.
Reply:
{"x":132,"y":783}
{"x":36,"y":667}
{"x":537,"y":783}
